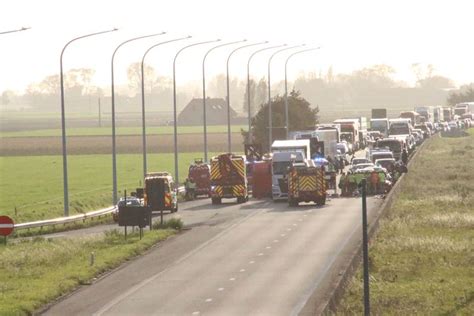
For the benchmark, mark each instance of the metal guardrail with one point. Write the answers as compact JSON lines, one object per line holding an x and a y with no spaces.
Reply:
{"x":73,"y":218}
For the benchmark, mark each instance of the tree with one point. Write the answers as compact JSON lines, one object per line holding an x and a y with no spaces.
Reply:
{"x":258,"y":94}
{"x":464,"y":94}
{"x":300,"y":116}
{"x":134,"y":75}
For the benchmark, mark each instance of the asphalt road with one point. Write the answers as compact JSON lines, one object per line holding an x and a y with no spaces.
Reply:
{"x":257,"y":258}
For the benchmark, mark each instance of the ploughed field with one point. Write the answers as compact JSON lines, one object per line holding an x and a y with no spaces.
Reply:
{"x":126,"y":144}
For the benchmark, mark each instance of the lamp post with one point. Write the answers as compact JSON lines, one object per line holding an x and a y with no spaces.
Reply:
{"x":143,"y":98}
{"x":270,"y":123}
{"x":229,"y":139}
{"x":14,"y":31}
{"x":204,"y":92}
{"x":175,"y":116}
{"x":287,"y":126}
{"x":63,"y":120}
{"x":248,"y":77}
{"x":114,"y":155}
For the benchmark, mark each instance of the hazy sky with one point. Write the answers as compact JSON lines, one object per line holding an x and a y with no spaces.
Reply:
{"x":353,"y":34}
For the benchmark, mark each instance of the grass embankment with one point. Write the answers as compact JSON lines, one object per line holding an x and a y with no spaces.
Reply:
{"x":422,"y":258}
{"x":123,"y":131}
{"x":33,"y":185}
{"x":35,"y":272}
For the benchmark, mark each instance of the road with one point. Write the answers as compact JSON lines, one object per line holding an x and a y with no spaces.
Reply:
{"x":258,"y":258}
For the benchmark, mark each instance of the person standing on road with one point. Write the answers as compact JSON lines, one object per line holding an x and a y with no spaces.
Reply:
{"x":404,"y":156}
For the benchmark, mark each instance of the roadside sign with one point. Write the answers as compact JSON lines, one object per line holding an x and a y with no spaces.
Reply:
{"x":6,"y":225}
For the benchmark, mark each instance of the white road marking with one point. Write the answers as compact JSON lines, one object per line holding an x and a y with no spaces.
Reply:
{"x":282,"y":235}
{"x":220,"y":289}
{"x":208,"y":300}
{"x":268,"y":247}
{"x":232,"y":279}
{"x":295,"y":224}
{"x":242,"y":270}
{"x":288,"y":229}
{"x":276,"y":240}
{"x":252,"y":262}
{"x":195,"y":313}
{"x":260,"y":254}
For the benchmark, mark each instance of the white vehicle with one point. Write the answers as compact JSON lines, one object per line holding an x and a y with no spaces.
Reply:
{"x":350,"y":131}
{"x":381,"y":125}
{"x":358,"y":161}
{"x":284,"y":153}
{"x":426,"y":112}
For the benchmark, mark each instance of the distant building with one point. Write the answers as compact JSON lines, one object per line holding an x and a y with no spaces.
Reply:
{"x":216,"y":112}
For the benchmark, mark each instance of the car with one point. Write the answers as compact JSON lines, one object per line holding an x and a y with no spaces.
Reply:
{"x":361,"y":166}
{"x":387,"y":163}
{"x":358,"y":161}
{"x":343,"y":148}
{"x":129,"y":201}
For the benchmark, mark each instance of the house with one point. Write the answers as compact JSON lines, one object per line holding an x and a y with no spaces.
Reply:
{"x":216,"y":112}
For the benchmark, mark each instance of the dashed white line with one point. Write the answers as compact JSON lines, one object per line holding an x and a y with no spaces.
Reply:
{"x":276,"y":240}
{"x":282,"y":235}
{"x":295,"y":224}
{"x":288,"y":229}
{"x":232,"y":279}
{"x":260,"y":254}
{"x":252,"y":262}
{"x":242,"y":270}
{"x":220,"y":289}
{"x":208,"y":300}
{"x":268,"y":247}
{"x":195,"y":313}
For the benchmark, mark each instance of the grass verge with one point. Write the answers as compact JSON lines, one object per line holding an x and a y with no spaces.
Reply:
{"x":31,"y":187}
{"x":35,"y":272}
{"x":422,"y":256}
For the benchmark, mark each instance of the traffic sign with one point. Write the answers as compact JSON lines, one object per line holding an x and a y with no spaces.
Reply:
{"x":6,"y":225}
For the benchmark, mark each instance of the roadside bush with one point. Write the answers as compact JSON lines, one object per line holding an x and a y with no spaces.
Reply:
{"x":173,"y":223}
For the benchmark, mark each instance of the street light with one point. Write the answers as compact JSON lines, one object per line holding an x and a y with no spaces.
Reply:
{"x":270,"y":123}
{"x":287,"y":126}
{"x":229,"y":140}
{"x":248,"y":78}
{"x":143,"y":98}
{"x":175,"y":116}
{"x":63,"y":120}
{"x":114,"y":163}
{"x":204,"y":92}
{"x":13,"y":31}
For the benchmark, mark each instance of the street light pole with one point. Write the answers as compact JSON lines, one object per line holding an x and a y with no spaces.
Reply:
{"x":287,"y":126}
{"x":229,"y":138}
{"x":63,"y":120}
{"x":114,"y":154}
{"x":175,"y":116}
{"x":143,"y":98}
{"x":270,"y":122}
{"x":204,"y":92}
{"x":14,"y":31}
{"x":248,"y":79}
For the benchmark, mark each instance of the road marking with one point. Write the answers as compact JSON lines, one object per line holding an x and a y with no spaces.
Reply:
{"x":305,"y":215}
{"x":288,"y":229}
{"x":300,"y":220}
{"x":260,"y":254}
{"x":232,"y":279}
{"x":282,"y":235}
{"x":140,"y":285}
{"x":208,"y":300}
{"x":252,"y":262}
{"x":268,"y":247}
{"x":195,"y":313}
{"x":295,"y":224}
{"x":220,"y":289}
{"x":276,"y":240}
{"x":242,"y":270}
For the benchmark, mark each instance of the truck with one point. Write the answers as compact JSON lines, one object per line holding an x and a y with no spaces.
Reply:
{"x":401,"y":129}
{"x":447,"y":114}
{"x":160,"y":192}
{"x":395,"y":145}
{"x":306,"y":183}
{"x":228,"y":178}
{"x":200,"y":173}
{"x":284,"y":153}
{"x":350,"y":132}
{"x":426,"y":113}
{"x":414,"y":117}
{"x":379,"y":113}
{"x":437,"y":114}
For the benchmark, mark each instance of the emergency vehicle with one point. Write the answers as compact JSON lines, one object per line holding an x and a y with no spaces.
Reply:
{"x":199,"y":172}
{"x":306,"y":183}
{"x":160,"y":192}
{"x":228,"y":178}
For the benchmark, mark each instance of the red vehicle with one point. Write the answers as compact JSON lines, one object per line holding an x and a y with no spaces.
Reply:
{"x":199,"y":173}
{"x":262,"y":179}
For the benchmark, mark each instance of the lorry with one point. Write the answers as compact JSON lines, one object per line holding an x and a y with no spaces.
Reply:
{"x":284,"y":153}
{"x":200,"y":173}
{"x":414,"y":117}
{"x":447,"y":114}
{"x":395,"y":145}
{"x":426,"y":113}
{"x":401,"y":129}
{"x":306,"y":183}
{"x":437,"y":114}
{"x":381,"y":125}
{"x":228,"y":178}
{"x":379,"y":113}
{"x":160,"y":192}
{"x":350,"y":132}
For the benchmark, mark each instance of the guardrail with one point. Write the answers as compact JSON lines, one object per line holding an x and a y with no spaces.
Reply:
{"x":73,"y":218}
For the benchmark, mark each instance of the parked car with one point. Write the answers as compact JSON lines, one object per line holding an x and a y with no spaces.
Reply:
{"x":387,"y":163}
{"x":361,"y":166}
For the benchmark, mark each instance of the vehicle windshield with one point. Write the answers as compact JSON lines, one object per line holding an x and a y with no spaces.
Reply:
{"x":358,"y":161}
{"x":346,"y":137}
{"x":394,"y":146}
{"x":280,"y":167}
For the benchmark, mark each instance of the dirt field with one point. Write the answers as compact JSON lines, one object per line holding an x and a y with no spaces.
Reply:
{"x":32,"y":146}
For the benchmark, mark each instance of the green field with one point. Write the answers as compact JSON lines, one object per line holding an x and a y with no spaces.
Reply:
{"x":37,"y":271}
{"x":422,"y":258}
{"x":31,"y":188}
{"x":121,"y":131}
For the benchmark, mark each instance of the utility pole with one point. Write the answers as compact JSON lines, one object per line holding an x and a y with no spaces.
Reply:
{"x":365,"y":248}
{"x":100,"y":118}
